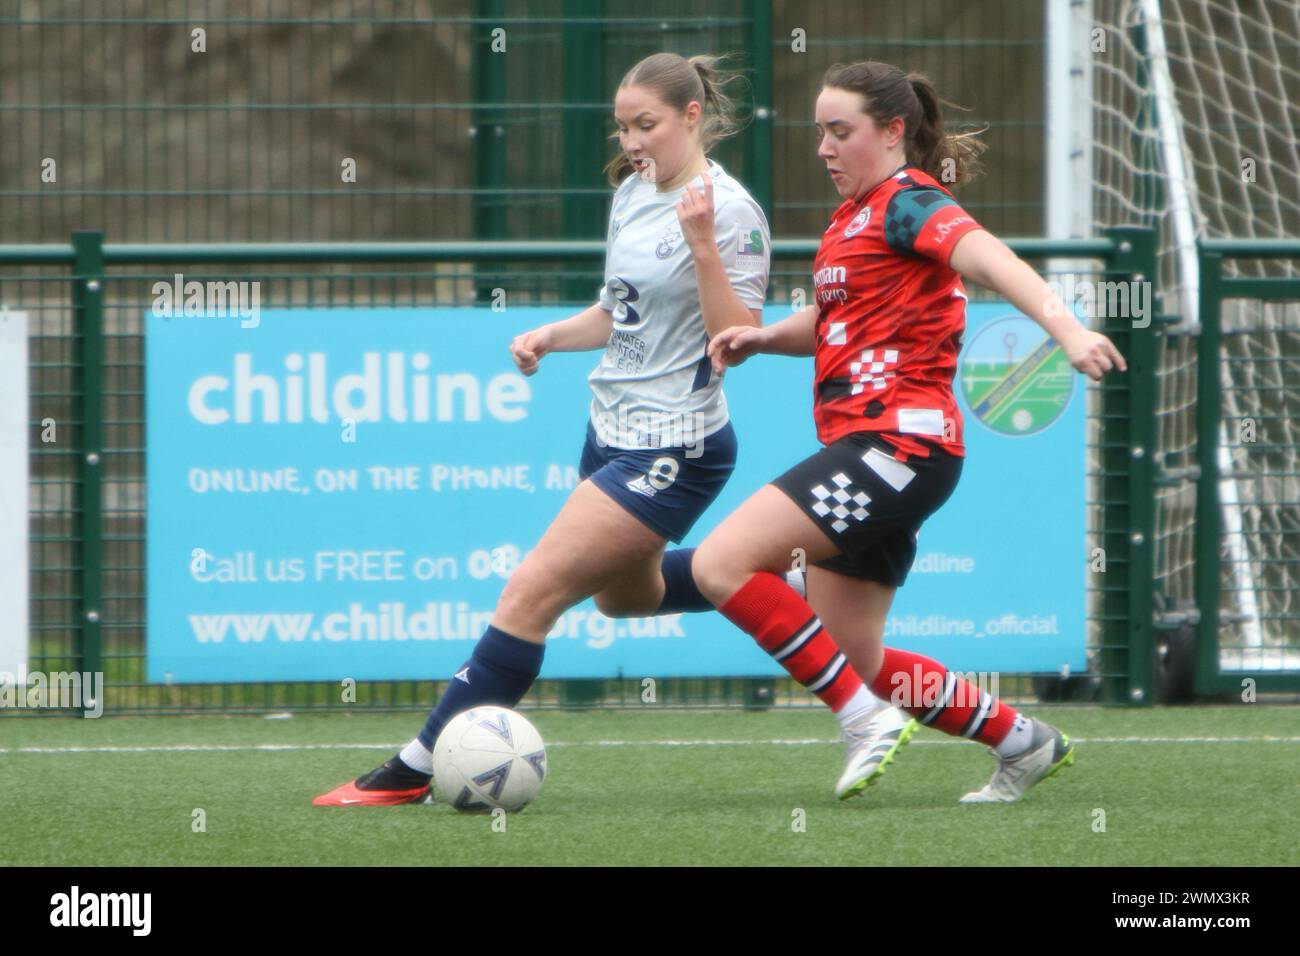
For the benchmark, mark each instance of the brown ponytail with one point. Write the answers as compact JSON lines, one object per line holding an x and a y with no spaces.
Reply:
{"x":677,"y":81}
{"x":887,"y":91}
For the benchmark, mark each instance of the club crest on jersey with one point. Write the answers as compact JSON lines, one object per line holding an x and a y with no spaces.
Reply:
{"x":667,"y":244}
{"x":858,"y":224}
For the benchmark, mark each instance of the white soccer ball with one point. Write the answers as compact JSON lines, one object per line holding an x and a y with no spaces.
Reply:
{"x":489,"y":757}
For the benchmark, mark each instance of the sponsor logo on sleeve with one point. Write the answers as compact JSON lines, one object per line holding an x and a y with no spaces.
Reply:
{"x":941,"y":231}
{"x":750,"y":247}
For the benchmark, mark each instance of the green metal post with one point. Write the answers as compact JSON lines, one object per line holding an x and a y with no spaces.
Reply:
{"x":586,"y":150}
{"x":1132,"y":396}
{"x":759,"y":174}
{"x":1209,"y":405}
{"x":488,"y":72}
{"x":584,"y":144}
{"x":88,"y":315}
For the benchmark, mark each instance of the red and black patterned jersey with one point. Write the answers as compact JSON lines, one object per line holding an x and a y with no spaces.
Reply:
{"x":892,"y":314}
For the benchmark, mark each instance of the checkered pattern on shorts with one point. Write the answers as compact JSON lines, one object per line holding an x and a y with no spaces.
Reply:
{"x":841,"y":496}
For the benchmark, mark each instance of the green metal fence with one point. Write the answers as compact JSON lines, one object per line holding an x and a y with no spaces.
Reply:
{"x":86,"y":303}
{"x":1248,"y":447}
{"x":456,"y":130}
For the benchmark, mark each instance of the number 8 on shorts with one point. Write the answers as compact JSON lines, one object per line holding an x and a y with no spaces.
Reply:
{"x":663,"y":473}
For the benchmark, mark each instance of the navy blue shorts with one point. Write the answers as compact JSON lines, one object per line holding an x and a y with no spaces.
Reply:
{"x":664,"y":488}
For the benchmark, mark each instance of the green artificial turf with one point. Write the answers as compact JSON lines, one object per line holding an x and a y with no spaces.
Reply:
{"x":649,"y":787}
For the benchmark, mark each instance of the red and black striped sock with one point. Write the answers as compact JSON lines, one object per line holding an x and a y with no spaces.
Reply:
{"x":940,"y":699}
{"x":771,"y":612}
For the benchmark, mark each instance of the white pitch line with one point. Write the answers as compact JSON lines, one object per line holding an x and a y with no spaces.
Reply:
{"x":929,"y":743}
{"x":795,"y":742}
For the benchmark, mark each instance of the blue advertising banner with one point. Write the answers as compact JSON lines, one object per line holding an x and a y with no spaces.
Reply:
{"x":338,"y":493}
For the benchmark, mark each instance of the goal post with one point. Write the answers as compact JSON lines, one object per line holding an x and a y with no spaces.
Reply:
{"x":1193,"y":111}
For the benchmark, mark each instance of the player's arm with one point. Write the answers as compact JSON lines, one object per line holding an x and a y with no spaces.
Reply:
{"x":719,"y":303}
{"x":982,"y":257}
{"x":589,"y":329}
{"x":721,"y":307}
{"x":795,"y":335}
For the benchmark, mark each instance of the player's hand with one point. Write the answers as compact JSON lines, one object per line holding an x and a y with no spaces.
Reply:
{"x":695,"y":213}
{"x":1093,"y":354}
{"x":733,"y":345}
{"x":527,"y":349}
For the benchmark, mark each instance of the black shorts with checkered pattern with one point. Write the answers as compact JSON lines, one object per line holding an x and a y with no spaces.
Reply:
{"x":869,"y":503}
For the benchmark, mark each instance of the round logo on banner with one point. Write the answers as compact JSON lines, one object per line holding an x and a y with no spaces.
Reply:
{"x":1014,"y":378}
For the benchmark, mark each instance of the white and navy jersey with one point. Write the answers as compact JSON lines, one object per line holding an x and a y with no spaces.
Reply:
{"x":654,"y":386}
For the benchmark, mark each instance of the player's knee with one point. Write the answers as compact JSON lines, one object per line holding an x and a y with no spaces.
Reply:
{"x":716,"y":575}
{"x":529,"y":596}
{"x":617,"y":605}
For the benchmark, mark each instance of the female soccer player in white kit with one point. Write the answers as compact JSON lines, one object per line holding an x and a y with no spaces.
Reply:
{"x":688,"y":257}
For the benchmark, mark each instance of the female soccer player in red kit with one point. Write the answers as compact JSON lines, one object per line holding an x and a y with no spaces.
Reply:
{"x":886,"y":328}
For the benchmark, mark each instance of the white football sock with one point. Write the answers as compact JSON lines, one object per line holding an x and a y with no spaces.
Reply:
{"x":861,"y":702}
{"x":796,"y":580}
{"x":1017,"y":742}
{"x":416,"y":757}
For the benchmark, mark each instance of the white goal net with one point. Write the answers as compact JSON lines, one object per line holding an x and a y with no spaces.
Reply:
{"x":1195,"y":117}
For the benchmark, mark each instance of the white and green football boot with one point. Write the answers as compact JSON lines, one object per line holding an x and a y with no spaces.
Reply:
{"x":872,"y":740}
{"x":1049,"y":750}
